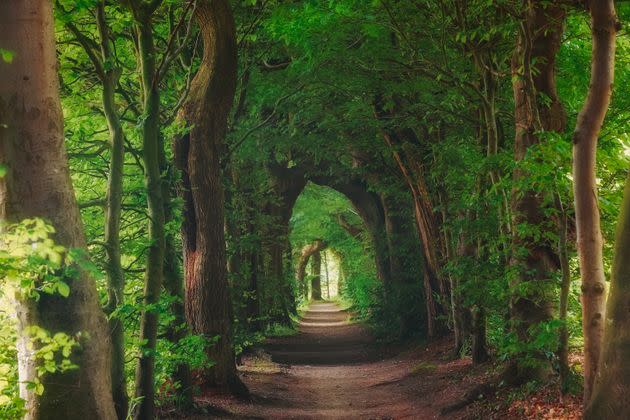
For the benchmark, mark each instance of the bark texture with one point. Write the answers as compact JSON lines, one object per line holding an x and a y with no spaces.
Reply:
{"x":589,"y":235}
{"x":37,"y":184}
{"x":534,"y":261}
{"x":208,"y":305}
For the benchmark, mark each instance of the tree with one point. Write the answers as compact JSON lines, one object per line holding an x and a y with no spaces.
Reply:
{"x":38,"y":185}
{"x":154,"y":273}
{"x":198,"y":153}
{"x":589,"y":236}
{"x":305,"y":254}
{"x":99,"y":54}
{"x":537,"y":109}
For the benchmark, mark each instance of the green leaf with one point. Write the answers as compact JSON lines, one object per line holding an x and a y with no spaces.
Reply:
{"x":7,"y":56}
{"x":3,"y":171}
{"x":63,"y":289}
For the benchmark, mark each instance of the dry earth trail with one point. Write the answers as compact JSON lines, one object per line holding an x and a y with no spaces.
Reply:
{"x":333,"y":370}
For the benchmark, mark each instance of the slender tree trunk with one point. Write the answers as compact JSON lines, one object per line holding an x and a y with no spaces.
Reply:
{"x":37,"y":185}
{"x":327,"y":277}
{"x":113,"y":266}
{"x":461,"y":314}
{"x":565,"y":286}
{"x":316,"y":282}
{"x":153,"y":276}
{"x":174,"y":284}
{"x":609,"y":399}
{"x":534,"y":260}
{"x":589,"y":235}
{"x":253,"y":302}
{"x":178,"y":329}
{"x":208,"y":305}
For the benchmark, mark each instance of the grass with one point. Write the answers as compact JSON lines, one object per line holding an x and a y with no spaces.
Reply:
{"x":423,"y":367}
{"x":280,"y":330}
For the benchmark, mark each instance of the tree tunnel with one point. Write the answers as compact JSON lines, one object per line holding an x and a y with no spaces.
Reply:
{"x":381,"y":224}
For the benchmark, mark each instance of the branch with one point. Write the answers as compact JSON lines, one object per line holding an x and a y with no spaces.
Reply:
{"x":89,"y":45}
{"x":264,"y":122}
{"x":169,"y":55}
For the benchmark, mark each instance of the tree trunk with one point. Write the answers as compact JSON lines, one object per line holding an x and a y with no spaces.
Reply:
{"x":461,"y":314}
{"x":479,"y":348}
{"x":177,"y":329}
{"x":589,"y":235}
{"x":609,"y":399}
{"x":305,"y":255}
{"x":565,"y":287}
{"x":534,"y":260}
{"x":38,"y":185}
{"x":404,"y":255}
{"x":253,"y":300}
{"x":208,"y":305}
{"x":174,"y":284}
{"x":113,"y":266}
{"x":286,"y":184}
{"x":316,"y":282}
{"x":153,"y":276}
{"x":325,"y":261}
{"x":412,"y":171}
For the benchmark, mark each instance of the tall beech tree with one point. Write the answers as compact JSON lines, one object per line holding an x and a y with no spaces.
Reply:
{"x":37,"y":184}
{"x":198,"y":155}
{"x":537,"y":109}
{"x":609,"y":394}
{"x":587,"y":220}
{"x":150,"y":76}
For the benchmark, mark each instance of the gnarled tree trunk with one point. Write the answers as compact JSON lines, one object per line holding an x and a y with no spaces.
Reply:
{"x":208,"y":305}
{"x":38,"y":185}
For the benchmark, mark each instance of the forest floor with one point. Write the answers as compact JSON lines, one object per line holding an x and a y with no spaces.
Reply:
{"x":334,"y":369}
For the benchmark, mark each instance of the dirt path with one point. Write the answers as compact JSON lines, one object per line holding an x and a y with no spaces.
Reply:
{"x":332,"y":370}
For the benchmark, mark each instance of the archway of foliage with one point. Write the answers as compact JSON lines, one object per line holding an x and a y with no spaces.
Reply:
{"x":421,"y":141}
{"x":321,"y":213}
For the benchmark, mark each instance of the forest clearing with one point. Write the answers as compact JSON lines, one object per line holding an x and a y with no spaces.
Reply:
{"x":314,"y":209}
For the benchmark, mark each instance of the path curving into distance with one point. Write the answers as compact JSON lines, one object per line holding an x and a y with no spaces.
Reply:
{"x":330,"y":370}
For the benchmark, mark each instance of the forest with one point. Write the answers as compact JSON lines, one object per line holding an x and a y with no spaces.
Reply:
{"x":314,"y":209}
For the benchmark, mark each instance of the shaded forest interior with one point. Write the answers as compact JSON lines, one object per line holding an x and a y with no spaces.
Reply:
{"x":314,"y":209}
